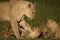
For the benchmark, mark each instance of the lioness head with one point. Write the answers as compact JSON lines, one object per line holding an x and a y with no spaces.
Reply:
{"x":29,"y":10}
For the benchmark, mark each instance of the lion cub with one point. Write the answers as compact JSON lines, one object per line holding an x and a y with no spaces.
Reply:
{"x":55,"y":28}
{"x":33,"y":33}
{"x":27,"y":31}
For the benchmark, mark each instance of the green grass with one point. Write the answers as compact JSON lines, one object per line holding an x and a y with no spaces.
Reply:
{"x":46,"y":9}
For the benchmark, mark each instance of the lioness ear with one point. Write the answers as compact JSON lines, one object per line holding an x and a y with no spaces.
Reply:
{"x":34,"y":2}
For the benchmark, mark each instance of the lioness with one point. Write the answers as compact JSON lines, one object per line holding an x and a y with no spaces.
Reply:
{"x":15,"y":11}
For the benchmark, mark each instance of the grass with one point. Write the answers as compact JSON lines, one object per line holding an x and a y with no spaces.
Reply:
{"x":46,"y":9}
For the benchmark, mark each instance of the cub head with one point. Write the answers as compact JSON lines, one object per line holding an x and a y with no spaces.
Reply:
{"x":51,"y":23}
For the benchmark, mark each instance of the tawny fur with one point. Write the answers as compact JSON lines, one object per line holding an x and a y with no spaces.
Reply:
{"x":14,"y":11}
{"x":28,"y":32}
{"x":55,"y":28}
{"x":34,"y":33}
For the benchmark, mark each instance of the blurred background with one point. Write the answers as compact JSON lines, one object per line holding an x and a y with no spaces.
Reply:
{"x":46,"y":9}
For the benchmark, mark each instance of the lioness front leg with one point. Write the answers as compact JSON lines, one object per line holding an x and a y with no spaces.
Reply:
{"x":14,"y":26}
{"x":14,"y":21}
